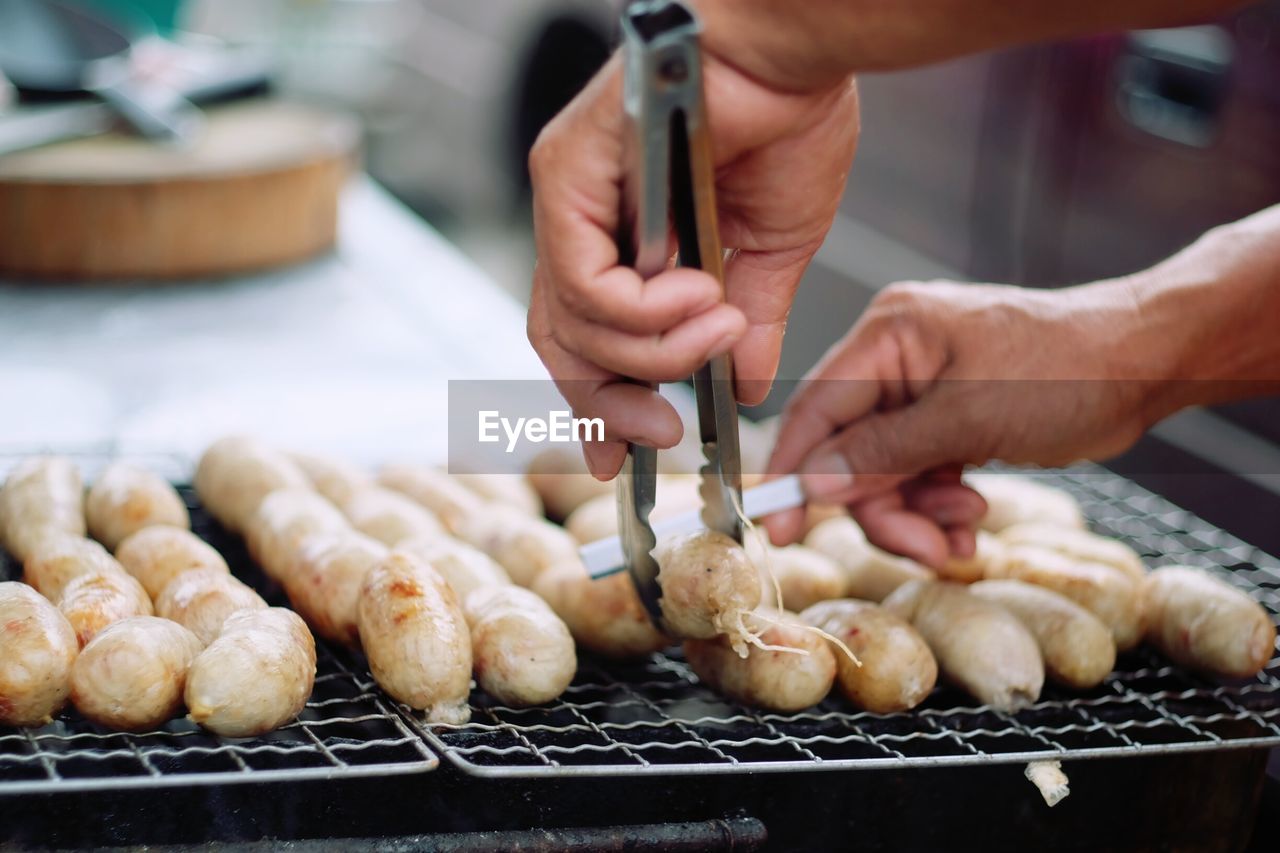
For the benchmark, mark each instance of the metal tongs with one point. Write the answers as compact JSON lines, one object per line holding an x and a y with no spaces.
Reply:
{"x":670,"y":182}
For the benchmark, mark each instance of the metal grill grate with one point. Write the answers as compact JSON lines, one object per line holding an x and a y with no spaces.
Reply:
{"x":654,"y":717}
{"x":349,"y":728}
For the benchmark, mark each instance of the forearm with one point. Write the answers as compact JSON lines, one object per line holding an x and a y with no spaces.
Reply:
{"x":810,"y":43}
{"x":1210,"y":315}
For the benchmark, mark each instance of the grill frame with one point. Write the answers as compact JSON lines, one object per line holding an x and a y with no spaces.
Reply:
{"x":1161,"y":531}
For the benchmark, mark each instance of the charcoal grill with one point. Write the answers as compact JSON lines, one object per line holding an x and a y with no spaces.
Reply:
{"x":653,"y":720}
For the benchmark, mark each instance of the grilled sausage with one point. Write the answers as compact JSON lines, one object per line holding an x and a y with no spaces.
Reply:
{"x":605,"y":615}
{"x":95,"y":600}
{"x":804,"y":576}
{"x":236,"y":473}
{"x":1103,"y":591}
{"x":324,"y":581}
{"x":1202,"y":622}
{"x":125,"y":499}
{"x":1077,"y":648}
{"x":37,"y":649}
{"x":505,"y":489}
{"x":522,"y":544}
{"x":336,"y":480}
{"x":40,"y":497}
{"x":202,"y":600}
{"x":416,"y":638}
{"x":522,"y":653}
{"x":898,"y":671}
{"x":870,"y":573}
{"x":390,"y":517}
{"x":61,"y":558}
{"x":708,"y":587}
{"x":562,"y":481}
{"x":765,"y":678}
{"x":255,"y":677}
{"x":1013,"y":499}
{"x":598,"y":518}
{"x":283,"y":519}
{"x":1078,"y":545}
{"x":463,"y":567}
{"x":157,"y":555}
{"x":980,"y":646}
{"x":445,"y":497}
{"x":130,"y":677}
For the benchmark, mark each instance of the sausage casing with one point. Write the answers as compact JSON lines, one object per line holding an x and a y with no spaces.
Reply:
{"x":325,"y":578}
{"x":1102,"y":590}
{"x":283,"y":519}
{"x":980,"y":646}
{"x":416,"y":638}
{"x":522,"y":653}
{"x":37,"y":649}
{"x":131,"y":676}
{"x":1077,"y":648}
{"x":766,"y":678}
{"x":125,"y":499}
{"x":255,"y":677}
{"x":157,"y":555}
{"x":708,"y":586}
{"x":95,"y":600}
{"x":605,"y":615}
{"x":898,"y":670}
{"x":1203,"y":622}
{"x":41,"y":496}
{"x":237,"y":472}
{"x":870,"y":573}
{"x":336,"y":479}
{"x":390,"y":517}
{"x":522,"y":544}
{"x":202,"y":600}
{"x":463,"y":567}
{"x":438,"y":491}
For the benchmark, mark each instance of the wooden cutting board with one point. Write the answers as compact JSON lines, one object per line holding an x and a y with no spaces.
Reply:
{"x":258,"y":189}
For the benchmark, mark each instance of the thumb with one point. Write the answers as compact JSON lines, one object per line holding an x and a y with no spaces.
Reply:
{"x":879,"y":451}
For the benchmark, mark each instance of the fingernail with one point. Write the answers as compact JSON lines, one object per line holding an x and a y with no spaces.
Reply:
{"x":828,"y":474}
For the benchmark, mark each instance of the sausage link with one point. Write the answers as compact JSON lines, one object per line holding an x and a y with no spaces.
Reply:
{"x":390,"y":517}
{"x":605,"y":615}
{"x":324,"y":582}
{"x":283,"y":519}
{"x":130,"y":677}
{"x":40,"y":497}
{"x":236,"y":473}
{"x":202,"y":600}
{"x":158,"y":555}
{"x":125,"y":499}
{"x":255,"y":677}
{"x":522,"y":653}
{"x":416,"y":638}
{"x":37,"y":649}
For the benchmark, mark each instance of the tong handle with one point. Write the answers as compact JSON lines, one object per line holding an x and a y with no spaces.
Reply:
{"x":669,"y":181}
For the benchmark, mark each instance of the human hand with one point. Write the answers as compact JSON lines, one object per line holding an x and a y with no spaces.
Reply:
{"x":936,"y":376}
{"x":782,"y":158}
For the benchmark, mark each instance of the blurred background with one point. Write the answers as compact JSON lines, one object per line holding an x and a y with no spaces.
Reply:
{"x":1043,"y":166}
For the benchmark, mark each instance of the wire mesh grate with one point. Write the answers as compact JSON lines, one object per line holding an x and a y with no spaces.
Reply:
{"x":349,"y":728}
{"x":654,"y":717}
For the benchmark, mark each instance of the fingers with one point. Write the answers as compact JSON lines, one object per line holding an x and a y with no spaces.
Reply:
{"x":631,"y":412}
{"x":670,"y":355}
{"x":891,"y":525}
{"x":763,"y":286}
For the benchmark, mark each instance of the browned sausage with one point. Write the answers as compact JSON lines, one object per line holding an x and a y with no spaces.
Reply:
{"x":37,"y":649}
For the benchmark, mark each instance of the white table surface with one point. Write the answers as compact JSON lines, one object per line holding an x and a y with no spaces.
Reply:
{"x":350,"y":353}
